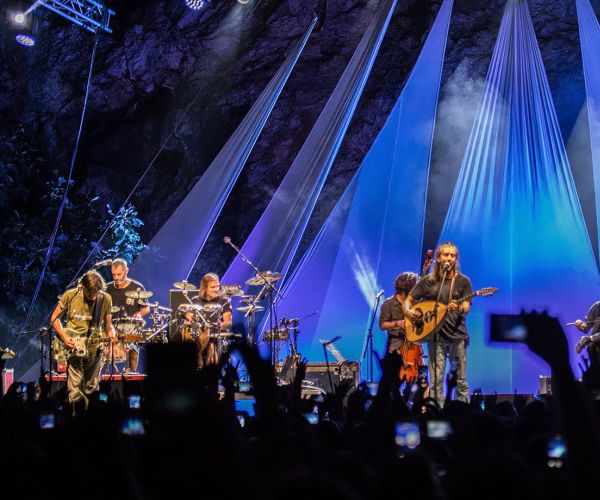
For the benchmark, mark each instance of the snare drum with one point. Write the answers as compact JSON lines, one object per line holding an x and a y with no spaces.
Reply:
{"x":129,"y":325}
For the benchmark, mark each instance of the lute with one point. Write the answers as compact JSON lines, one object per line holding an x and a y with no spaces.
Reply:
{"x":432,"y":315}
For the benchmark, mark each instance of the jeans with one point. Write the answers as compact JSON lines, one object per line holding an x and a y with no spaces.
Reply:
{"x":457,"y":353}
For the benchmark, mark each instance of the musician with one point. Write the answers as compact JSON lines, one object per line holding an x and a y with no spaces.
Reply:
{"x":391,"y":315}
{"x":129,"y":307}
{"x":217,"y":319}
{"x":450,"y":340}
{"x":591,"y":321}
{"x":87,"y":309}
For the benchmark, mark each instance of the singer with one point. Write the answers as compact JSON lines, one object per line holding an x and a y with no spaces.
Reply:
{"x":391,"y":315}
{"x":445,"y":284}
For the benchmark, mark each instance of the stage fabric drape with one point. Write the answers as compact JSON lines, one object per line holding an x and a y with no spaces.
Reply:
{"x":375,"y":231}
{"x":173,"y":251}
{"x":589,"y":36}
{"x":273,"y":241}
{"x":514,"y":214}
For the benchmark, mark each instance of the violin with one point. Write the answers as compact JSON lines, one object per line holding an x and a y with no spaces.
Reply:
{"x":412,"y":353}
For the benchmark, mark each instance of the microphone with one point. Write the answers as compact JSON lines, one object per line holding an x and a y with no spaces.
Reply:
{"x":446,"y":267}
{"x":379,"y":294}
{"x":227,"y":240}
{"x":106,"y":262}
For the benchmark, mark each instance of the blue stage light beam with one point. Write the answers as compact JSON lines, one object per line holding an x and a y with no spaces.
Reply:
{"x":375,"y":232}
{"x":274,"y":240}
{"x":589,"y":36}
{"x":514,"y":214}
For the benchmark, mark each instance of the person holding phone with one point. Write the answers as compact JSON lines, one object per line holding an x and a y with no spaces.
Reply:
{"x":445,"y":284}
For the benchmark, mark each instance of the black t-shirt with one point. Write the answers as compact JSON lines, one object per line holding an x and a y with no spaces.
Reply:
{"x":213,"y":316}
{"x":391,"y":310}
{"x":454,"y":327}
{"x":130,"y":306}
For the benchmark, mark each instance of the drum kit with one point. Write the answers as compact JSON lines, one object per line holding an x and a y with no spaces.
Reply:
{"x":199,"y":321}
{"x":132,"y":330}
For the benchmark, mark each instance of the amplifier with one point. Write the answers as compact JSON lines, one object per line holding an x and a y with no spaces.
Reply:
{"x":317,"y":377}
{"x":177,"y":298}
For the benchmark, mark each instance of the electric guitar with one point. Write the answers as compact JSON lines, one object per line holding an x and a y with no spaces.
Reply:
{"x":432,"y":315}
{"x":84,"y":345}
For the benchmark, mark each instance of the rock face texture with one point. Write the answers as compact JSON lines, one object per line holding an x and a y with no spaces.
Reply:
{"x":171,"y":84}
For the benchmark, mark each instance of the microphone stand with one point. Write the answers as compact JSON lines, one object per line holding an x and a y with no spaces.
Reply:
{"x":271,"y":290}
{"x":435,"y":336}
{"x":369,"y":344}
{"x":325,"y":344}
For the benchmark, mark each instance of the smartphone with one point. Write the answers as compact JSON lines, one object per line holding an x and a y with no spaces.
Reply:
{"x":313,"y":418}
{"x":47,"y":420}
{"x":134,"y":401}
{"x":133,"y":426}
{"x":438,"y":429}
{"x":508,"y":328}
{"x":103,"y":397}
{"x":241,"y":419}
{"x":372,"y":386}
{"x":246,"y":406}
{"x":408,"y":436}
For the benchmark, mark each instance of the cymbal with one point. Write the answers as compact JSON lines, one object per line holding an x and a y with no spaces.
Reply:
{"x":247,"y":298}
{"x":139,"y":294}
{"x":230,"y":291}
{"x":269,"y":277}
{"x":247,"y":308}
{"x":114,"y":309}
{"x":184,"y":285}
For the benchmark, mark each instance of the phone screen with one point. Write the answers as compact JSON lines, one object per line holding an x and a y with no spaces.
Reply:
{"x":47,"y":420}
{"x":134,"y":401}
{"x":507,"y":328}
{"x":313,"y":418}
{"x":408,"y":436}
{"x":133,"y":426}
{"x":557,"y":450}
{"x":438,"y":429}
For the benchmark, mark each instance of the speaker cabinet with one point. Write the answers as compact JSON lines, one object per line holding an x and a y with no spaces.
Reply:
{"x":317,"y":377}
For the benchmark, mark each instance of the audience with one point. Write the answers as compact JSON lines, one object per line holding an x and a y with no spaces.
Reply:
{"x":188,"y":437}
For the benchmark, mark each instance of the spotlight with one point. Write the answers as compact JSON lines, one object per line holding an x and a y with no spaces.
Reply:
{"x":19,"y":18}
{"x":25,"y":39}
{"x":243,"y":2}
{"x":197,"y":4}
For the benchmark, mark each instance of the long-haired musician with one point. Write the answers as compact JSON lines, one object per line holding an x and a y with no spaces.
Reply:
{"x":445,"y":284}
{"x":87,"y":309}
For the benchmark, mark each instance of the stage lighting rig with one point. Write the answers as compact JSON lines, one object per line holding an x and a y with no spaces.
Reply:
{"x":89,"y":14}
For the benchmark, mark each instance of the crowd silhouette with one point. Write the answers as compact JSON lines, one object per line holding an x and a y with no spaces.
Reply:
{"x":187,"y":435}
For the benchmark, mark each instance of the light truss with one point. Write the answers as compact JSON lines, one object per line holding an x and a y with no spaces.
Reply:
{"x":88,"y":14}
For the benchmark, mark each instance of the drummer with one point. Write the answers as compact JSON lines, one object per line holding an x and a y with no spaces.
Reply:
{"x":129,"y":307}
{"x":219,"y":318}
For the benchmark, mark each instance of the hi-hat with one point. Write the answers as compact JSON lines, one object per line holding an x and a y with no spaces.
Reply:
{"x":247,"y":298}
{"x":267,"y":277}
{"x":248,"y":308}
{"x":139,"y":294}
{"x":230,"y":291}
{"x":184,"y":285}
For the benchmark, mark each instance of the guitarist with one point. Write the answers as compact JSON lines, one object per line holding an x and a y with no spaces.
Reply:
{"x":445,"y":284}
{"x":86,"y":307}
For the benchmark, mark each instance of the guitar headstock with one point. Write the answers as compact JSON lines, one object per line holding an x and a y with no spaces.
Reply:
{"x":484,"y":292}
{"x":427,"y":263}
